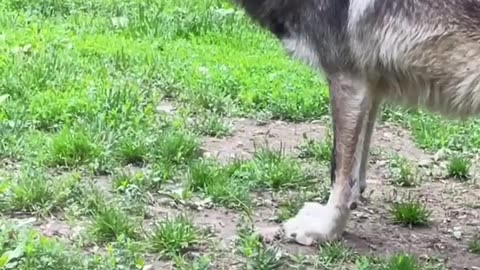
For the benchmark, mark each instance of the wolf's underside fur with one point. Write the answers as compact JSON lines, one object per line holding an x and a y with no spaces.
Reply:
{"x":423,"y":53}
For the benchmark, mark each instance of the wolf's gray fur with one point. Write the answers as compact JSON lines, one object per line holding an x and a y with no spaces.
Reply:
{"x":422,"y":53}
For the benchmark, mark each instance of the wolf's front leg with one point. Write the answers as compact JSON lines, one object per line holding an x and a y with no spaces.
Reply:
{"x":352,"y":100}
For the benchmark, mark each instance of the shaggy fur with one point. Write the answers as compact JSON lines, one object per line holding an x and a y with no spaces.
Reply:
{"x":420,"y":53}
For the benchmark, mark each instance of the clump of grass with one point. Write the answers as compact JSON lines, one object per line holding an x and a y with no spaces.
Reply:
{"x":396,"y":262}
{"x":275,"y":170}
{"x":162,"y":171}
{"x":110,"y":223}
{"x":458,"y":167}
{"x":368,"y":263}
{"x":319,"y":150}
{"x":240,"y":169}
{"x":177,"y":147}
{"x":86,"y":198}
{"x":23,"y":247}
{"x":132,"y":151}
{"x":257,"y":254}
{"x":402,"y":262}
{"x":230,"y":184}
{"x":33,"y":191}
{"x":205,"y":174}
{"x":211,"y":100}
{"x":410,"y":212}
{"x":212,"y":125}
{"x":72,"y":148}
{"x":335,"y":253}
{"x":200,"y":263}
{"x":474,"y":244}
{"x":265,"y":259}
{"x":174,"y":236}
{"x":215,"y":181}
{"x":122,"y":181}
{"x":403,"y":172}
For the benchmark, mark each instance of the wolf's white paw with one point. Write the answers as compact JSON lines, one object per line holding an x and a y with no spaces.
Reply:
{"x":316,"y":223}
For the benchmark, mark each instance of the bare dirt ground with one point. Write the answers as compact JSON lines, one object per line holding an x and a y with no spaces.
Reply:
{"x":455,"y":212}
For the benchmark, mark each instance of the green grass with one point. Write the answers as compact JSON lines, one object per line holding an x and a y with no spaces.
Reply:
{"x":319,"y":150}
{"x":71,"y":148}
{"x":122,"y":181}
{"x":174,"y":236}
{"x":82,"y":137}
{"x":257,"y":254}
{"x":335,"y":253}
{"x":177,"y":147}
{"x":402,"y":262}
{"x":474,"y":244}
{"x":273,"y":168}
{"x":458,"y":167}
{"x":32,"y":190}
{"x":110,"y":223}
{"x":210,"y":124}
{"x":410,"y":212}
{"x":216,"y":182}
{"x":24,"y":248}
{"x":404,"y":173}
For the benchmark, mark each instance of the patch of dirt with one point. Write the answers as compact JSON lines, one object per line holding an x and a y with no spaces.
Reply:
{"x":393,"y":138}
{"x":54,"y":227}
{"x":371,"y":229}
{"x":249,"y":134}
{"x":223,"y":223}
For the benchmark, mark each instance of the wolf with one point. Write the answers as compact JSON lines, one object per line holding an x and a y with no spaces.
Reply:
{"x":415,"y":53}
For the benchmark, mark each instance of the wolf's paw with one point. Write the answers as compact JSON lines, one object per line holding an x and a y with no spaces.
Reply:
{"x":316,"y":223}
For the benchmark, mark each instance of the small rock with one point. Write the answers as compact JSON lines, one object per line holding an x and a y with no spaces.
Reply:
{"x":208,"y":155}
{"x":443,"y":165}
{"x":203,"y":70}
{"x":457,"y":235}
{"x":425,"y":162}
{"x":456,"y":232}
{"x":148,"y":267}
{"x":55,"y":228}
{"x":361,"y":215}
{"x":267,"y":203}
{"x":381,"y":162}
{"x":439,"y":155}
{"x":119,"y":22}
{"x":165,"y":107}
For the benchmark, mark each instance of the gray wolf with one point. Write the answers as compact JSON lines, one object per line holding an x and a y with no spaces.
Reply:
{"x":418,"y":53}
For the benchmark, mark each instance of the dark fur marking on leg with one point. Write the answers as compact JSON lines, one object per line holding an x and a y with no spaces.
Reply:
{"x":333,"y":162}
{"x":352,"y":182}
{"x":362,"y":189}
